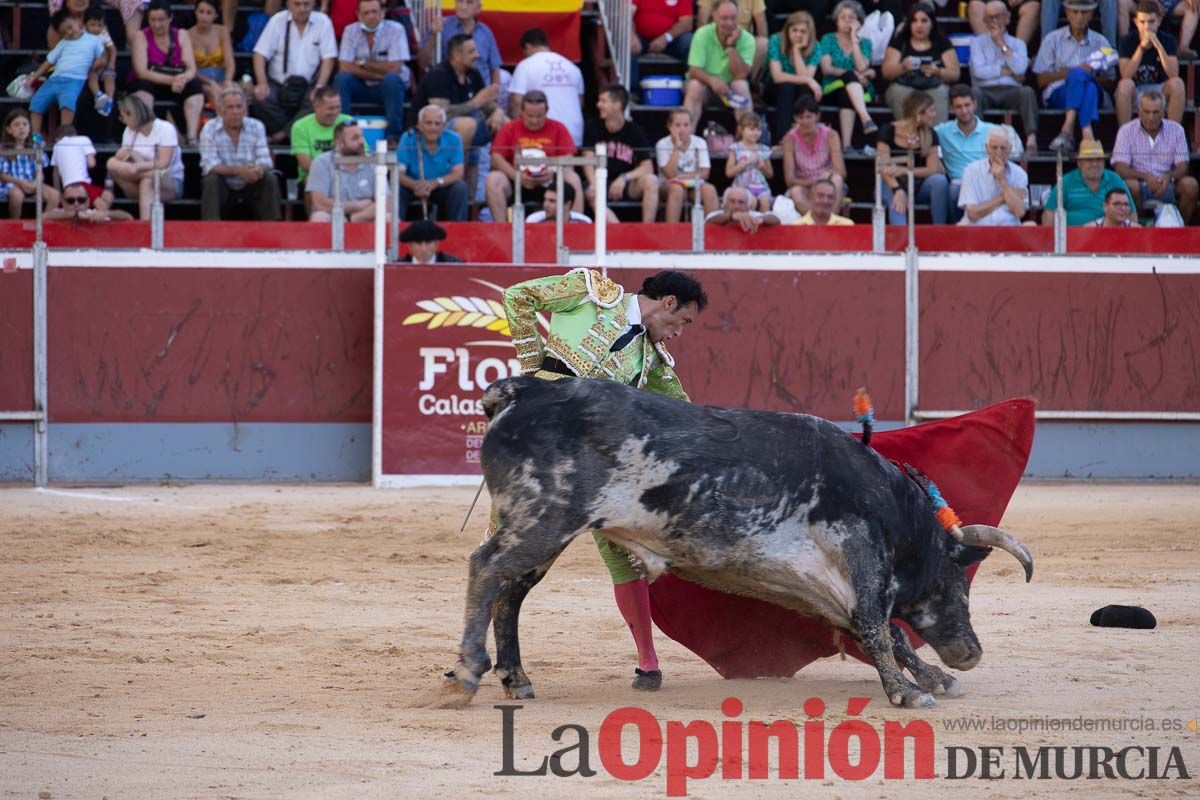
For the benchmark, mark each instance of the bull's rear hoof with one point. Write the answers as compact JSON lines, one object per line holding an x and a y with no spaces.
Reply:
{"x":647,"y":680}
{"x":451,"y":693}
{"x":519,"y":692}
{"x":952,"y":688}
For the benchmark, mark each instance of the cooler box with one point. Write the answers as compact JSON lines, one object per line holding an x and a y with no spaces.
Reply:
{"x":660,"y":91}
{"x":373,"y":129}
{"x":962,"y":46}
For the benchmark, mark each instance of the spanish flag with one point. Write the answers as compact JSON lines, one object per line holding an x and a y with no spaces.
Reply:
{"x":508,"y":19}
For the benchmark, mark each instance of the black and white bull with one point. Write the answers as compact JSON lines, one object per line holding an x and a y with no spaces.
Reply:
{"x":787,"y":508}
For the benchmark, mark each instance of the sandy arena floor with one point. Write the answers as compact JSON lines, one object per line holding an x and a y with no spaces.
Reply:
{"x":230,"y":641}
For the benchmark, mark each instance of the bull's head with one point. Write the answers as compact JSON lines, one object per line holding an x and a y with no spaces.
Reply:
{"x":943,"y":617}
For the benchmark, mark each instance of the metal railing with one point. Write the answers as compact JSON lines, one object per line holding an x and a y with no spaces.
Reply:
{"x":617,"y":16}
{"x":557,"y":164}
{"x":419,"y":11}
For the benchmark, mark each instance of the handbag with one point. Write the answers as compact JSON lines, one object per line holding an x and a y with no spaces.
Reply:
{"x":294,"y":89}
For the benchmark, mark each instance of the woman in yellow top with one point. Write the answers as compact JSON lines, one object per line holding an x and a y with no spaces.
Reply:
{"x":213,"y":49}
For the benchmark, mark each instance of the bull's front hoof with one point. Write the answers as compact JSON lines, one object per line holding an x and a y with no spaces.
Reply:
{"x":515,"y":682}
{"x":950,"y":687}
{"x":524,"y":692}
{"x":913,"y":700}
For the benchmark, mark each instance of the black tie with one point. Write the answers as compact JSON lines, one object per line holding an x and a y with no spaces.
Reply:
{"x":625,"y":338}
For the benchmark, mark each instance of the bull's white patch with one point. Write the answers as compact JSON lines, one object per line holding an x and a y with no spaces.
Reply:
{"x":630,"y":523}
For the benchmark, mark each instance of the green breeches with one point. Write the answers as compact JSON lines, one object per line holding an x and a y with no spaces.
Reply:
{"x":616,"y":558}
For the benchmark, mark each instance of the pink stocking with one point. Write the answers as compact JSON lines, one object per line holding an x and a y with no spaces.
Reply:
{"x":633,"y":600}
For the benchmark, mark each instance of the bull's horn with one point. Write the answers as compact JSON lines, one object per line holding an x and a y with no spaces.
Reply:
{"x":987,"y":536}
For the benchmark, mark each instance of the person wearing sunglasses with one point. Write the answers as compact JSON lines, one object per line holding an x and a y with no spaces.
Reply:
{"x":79,"y":204}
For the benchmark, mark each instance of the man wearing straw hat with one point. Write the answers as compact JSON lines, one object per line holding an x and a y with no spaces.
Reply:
{"x":1085,"y":188}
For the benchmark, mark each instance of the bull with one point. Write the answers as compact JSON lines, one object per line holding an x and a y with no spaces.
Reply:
{"x":787,"y":508}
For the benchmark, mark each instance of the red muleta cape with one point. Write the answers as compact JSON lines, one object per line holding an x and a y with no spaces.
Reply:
{"x":976,"y":460}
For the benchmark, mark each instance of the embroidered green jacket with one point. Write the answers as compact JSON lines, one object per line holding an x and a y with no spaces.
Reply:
{"x":588,"y":314}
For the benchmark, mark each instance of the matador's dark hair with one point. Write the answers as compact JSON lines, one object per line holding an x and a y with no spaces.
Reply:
{"x":683,"y":286}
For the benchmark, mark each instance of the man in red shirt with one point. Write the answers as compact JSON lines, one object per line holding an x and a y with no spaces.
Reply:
{"x":531,"y":134}
{"x":662,"y":26}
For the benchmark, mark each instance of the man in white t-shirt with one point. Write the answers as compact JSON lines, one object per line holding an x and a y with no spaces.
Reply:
{"x":548,"y":72}
{"x":72,"y":158}
{"x":549,"y":211}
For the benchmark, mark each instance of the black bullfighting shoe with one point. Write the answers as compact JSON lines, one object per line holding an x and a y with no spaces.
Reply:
{"x":647,"y":681}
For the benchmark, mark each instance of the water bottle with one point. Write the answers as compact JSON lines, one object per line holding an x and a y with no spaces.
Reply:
{"x":247,"y":86}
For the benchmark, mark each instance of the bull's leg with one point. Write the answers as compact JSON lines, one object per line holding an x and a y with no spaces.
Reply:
{"x":506,"y":612}
{"x":483,"y":585}
{"x":876,"y":640}
{"x":928,"y":677}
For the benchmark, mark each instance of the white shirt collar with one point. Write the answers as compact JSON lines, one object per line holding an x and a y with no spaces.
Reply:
{"x":634,"y":312}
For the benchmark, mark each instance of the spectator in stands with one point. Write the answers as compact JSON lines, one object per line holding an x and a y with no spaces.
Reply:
{"x":532,"y":134}
{"x":549,"y":212}
{"x":812,"y":152}
{"x":1148,"y":61}
{"x":463,"y":22}
{"x":994,"y":190}
{"x":1151,"y":155}
{"x":164,"y":68}
{"x":963,"y":140}
{"x":229,"y":11}
{"x":998,"y":65}
{"x":148,"y":143}
{"x":73,"y":58}
{"x":792,"y":60}
{"x":662,"y":26}
{"x":433,"y":161}
{"x":130,"y":10}
{"x":312,"y":134}
{"x":470,"y":103}
{"x":356,"y":184}
{"x":737,"y":208}
{"x":1186,"y":12}
{"x":751,"y":17}
{"x":372,"y":65}
{"x":73,"y":158}
{"x":920,"y":58}
{"x":294,"y":56}
{"x":845,"y":58}
{"x":235,"y":160}
{"x":79,"y":204}
{"x":1108,"y":17}
{"x":913,"y":133}
{"x":212,"y":48}
{"x":1085,"y":188}
{"x":1118,"y":211}
{"x":1066,"y":75}
{"x":683,"y":164}
{"x":559,"y":79}
{"x":824,"y":200}
{"x":748,"y":164}
{"x":1028,"y":19}
{"x":422,"y":238}
{"x":18,"y":171}
{"x":93,"y":23}
{"x":719,"y":62}
{"x":630,"y":168}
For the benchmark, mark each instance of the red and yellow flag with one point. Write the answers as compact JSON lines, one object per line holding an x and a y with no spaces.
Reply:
{"x":508,"y":19}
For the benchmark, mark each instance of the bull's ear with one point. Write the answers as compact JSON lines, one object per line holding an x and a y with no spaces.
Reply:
{"x":965,"y":555}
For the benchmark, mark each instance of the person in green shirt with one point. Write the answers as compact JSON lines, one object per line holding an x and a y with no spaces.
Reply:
{"x":312,"y":134}
{"x":598,"y":330}
{"x":1085,"y":188}
{"x":719,"y":62}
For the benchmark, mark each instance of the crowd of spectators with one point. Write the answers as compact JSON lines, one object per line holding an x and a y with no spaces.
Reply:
{"x":458,"y":119}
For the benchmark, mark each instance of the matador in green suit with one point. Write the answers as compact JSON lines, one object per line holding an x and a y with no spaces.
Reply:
{"x":598,"y":330}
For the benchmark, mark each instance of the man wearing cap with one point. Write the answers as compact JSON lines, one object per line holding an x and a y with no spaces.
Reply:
{"x":1108,"y":16}
{"x":422,"y":238}
{"x":1085,"y":188}
{"x":1068,"y":76}
{"x":1151,"y":154}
